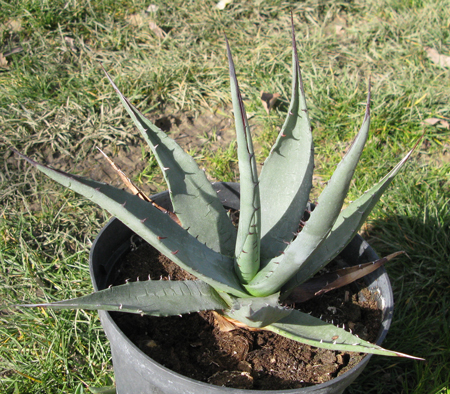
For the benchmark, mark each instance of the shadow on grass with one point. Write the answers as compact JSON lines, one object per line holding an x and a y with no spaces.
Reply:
{"x":421,"y":282}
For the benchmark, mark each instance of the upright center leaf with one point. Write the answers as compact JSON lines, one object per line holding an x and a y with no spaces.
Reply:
{"x":247,"y":252}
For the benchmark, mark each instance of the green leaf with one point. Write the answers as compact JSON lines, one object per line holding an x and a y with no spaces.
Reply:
{"x":310,"y":330}
{"x":281,"y":269}
{"x":345,"y":228}
{"x":151,"y":297}
{"x":157,"y":228}
{"x":79,"y":389}
{"x":257,"y":311}
{"x":247,"y":250}
{"x":286,"y":177}
{"x":194,"y":200}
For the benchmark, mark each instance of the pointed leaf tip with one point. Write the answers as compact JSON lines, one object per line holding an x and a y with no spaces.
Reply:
{"x":295,"y":53}
{"x":230,"y":57}
{"x":404,"y":355}
{"x":21,"y":155}
{"x":294,"y":44}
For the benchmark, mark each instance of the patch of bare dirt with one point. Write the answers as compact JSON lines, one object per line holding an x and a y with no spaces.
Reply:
{"x":193,"y":132}
{"x":190,"y":131}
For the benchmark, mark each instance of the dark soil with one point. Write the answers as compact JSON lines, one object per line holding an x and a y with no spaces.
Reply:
{"x":192,"y":345}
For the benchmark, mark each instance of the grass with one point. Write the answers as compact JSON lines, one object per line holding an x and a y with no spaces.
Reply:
{"x":56,"y":105}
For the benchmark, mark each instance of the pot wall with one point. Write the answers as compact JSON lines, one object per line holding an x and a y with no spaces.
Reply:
{"x":137,"y":373}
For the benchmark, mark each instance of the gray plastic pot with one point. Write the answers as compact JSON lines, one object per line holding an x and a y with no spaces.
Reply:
{"x":136,"y":373}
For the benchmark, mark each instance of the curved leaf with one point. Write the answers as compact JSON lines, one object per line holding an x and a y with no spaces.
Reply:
{"x":156,"y":228}
{"x":151,"y":297}
{"x":335,"y":279}
{"x":286,"y":177}
{"x":257,"y":311}
{"x":281,"y":269}
{"x":310,"y":330}
{"x":346,"y":227}
{"x":194,"y":200}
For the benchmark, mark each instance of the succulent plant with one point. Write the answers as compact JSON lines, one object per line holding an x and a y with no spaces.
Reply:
{"x":242,"y":274}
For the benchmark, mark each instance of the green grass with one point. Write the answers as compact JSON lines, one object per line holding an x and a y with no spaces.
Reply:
{"x":56,"y":105}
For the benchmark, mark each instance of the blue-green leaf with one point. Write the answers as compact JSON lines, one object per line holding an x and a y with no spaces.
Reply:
{"x":345,"y":228}
{"x":310,"y":330}
{"x":281,"y":269}
{"x":286,"y":177}
{"x":151,"y":297}
{"x":194,"y":200}
{"x":257,"y":311}
{"x":157,"y":228}
{"x":247,"y":250}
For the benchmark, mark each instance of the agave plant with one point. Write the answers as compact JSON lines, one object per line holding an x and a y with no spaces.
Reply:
{"x":242,"y":274}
